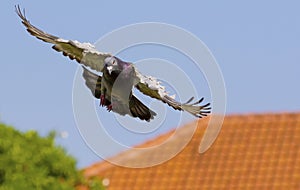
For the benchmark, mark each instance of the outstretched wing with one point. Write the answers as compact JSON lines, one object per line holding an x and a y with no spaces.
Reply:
{"x":83,"y":53}
{"x":151,"y":87}
{"x":136,"y":107}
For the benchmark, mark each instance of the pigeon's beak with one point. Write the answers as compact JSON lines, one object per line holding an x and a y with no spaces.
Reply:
{"x":109,"y":68}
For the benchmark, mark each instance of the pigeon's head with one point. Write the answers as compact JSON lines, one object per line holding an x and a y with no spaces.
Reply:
{"x":116,"y":66}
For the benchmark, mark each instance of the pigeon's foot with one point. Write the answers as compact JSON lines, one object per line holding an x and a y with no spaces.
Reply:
{"x":102,"y":100}
{"x":109,"y":107}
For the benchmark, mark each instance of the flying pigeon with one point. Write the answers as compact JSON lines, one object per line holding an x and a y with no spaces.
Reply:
{"x":114,"y":87}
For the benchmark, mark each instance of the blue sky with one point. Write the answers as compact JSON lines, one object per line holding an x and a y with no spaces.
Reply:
{"x":256,"y":44}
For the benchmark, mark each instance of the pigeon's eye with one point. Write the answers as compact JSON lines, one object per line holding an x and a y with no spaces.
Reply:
{"x":114,"y":62}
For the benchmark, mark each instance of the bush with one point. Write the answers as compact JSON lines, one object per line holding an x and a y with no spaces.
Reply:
{"x":28,"y":161}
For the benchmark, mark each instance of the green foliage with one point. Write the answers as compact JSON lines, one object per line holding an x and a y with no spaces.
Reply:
{"x":28,"y":161}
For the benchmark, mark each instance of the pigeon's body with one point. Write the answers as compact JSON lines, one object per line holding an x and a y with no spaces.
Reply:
{"x":115,"y":92}
{"x":114,"y":87}
{"x":117,"y":82}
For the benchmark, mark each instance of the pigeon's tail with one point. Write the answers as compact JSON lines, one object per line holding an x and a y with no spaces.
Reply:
{"x":138,"y":109}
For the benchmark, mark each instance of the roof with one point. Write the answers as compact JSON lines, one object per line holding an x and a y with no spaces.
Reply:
{"x":255,"y":151}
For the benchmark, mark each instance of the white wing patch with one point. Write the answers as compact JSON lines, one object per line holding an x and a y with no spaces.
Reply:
{"x":87,"y":47}
{"x":153,"y":84}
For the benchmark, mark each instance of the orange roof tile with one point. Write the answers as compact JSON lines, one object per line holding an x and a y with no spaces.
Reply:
{"x":257,"y":151}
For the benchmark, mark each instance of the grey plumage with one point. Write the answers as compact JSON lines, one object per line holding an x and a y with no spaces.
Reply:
{"x":134,"y":107}
{"x":114,"y":87}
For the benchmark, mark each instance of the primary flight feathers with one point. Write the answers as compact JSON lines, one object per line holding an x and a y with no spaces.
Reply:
{"x":114,"y":87}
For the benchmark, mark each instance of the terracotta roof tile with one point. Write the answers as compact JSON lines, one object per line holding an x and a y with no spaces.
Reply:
{"x":255,"y":151}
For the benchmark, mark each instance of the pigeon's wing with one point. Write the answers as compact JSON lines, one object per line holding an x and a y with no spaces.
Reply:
{"x":136,"y":107}
{"x":83,"y":53}
{"x":93,"y":82}
{"x":151,"y":87}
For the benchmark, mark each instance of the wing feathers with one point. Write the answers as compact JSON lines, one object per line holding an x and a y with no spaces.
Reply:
{"x":83,"y":53}
{"x":151,"y":87}
{"x":33,"y":30}
{"x":93,"y":82}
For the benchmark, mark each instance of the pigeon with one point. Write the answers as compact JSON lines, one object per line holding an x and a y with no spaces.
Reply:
{"x":114,"y":88}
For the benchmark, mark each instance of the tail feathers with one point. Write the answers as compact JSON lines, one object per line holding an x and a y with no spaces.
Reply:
{"x":138,"y":109}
